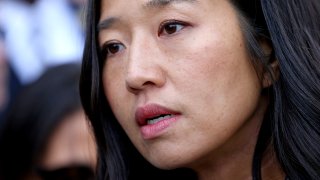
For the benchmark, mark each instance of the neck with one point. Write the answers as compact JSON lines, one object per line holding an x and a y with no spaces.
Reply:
{"x":232,"y":163}
{"x":234,"y":159}
{"x":270,"y":167}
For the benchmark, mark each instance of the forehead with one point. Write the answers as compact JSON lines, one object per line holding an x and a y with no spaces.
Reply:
{"x":141,"y":4}
{"x":113,"y":11}
{"x":149,"y":3}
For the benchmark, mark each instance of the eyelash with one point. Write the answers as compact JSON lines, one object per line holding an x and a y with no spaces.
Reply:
{"x":171,"y":23}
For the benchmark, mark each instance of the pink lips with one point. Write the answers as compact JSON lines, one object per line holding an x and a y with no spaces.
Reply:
{"x":153,"y":112}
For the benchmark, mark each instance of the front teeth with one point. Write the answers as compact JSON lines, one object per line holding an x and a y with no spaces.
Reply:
{"x":157,"y":119}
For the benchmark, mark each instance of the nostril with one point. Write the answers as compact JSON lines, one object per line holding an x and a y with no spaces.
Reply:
{"x":148,"y":83}
{"x":135,"y":88}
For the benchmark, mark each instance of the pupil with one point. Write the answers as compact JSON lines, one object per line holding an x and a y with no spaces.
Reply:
{"x":171,"y":28}
{"x":113,"y":48}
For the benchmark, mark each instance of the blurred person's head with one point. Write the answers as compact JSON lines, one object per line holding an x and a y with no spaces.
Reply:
{"x":3,"y":73}
{"x":46,"y":135}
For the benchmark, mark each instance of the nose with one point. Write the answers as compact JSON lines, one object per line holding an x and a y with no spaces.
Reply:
{"x":144,"y":66}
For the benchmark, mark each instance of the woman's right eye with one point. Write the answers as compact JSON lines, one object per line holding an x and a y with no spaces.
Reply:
{"x":110,"y":49}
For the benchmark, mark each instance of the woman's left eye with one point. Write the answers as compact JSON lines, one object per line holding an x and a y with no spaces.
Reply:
{"x":171,"y":27}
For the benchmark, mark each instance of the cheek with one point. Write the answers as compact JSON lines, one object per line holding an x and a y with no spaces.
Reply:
{"x":219,"y":77}
{"x":110,"y":81}
{"x":114,"y":90}
{"x":120,"y":101}
{"x":219,"y":55}
{"x":215,"y":62}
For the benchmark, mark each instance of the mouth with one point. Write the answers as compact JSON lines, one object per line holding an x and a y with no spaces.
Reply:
{"x":152,"y":114}
{"x":158,"y":118}
{"x":154,"y":120}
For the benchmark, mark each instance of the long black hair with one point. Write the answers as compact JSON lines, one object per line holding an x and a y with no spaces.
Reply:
{"x":291,"y":125}
{"x":294,"y":28}
{"x":293,"y":120}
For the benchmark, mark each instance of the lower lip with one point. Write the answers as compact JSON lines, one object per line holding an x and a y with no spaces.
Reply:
{"x":151,"y":131}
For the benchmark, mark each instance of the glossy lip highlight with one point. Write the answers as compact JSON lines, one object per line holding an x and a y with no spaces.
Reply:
{"x":153,"y":111}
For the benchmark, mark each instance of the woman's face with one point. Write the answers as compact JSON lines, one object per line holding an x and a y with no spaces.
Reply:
{"x":179,"y":79}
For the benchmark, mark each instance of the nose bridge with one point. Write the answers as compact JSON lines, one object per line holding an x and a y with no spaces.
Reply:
{"x":140,"y":50}
{"x":143,"y":68}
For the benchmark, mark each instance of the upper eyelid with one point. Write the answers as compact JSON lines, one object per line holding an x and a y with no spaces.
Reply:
{"x":107,"y":43}
{"x":173,"y":21}
{"x":185,"y":24}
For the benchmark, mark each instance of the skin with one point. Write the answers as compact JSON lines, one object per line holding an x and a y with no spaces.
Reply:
{"x":200,"y":68}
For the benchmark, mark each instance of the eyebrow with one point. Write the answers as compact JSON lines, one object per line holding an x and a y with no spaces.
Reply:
{"x":107,"y":23}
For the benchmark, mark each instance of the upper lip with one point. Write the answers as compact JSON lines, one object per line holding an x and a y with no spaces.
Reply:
{"x":151,"y":111}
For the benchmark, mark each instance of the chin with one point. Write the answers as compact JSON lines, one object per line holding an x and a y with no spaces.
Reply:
{"x":167,"y":163}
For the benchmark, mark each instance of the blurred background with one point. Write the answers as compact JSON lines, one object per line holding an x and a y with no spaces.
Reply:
{"x":41,"y":44}
{"x":35,"y":35}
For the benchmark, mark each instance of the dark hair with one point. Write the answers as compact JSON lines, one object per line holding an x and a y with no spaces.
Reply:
{"x":291,"y":124}
{"x":34,"y":115}
{"x":296,"y":124}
